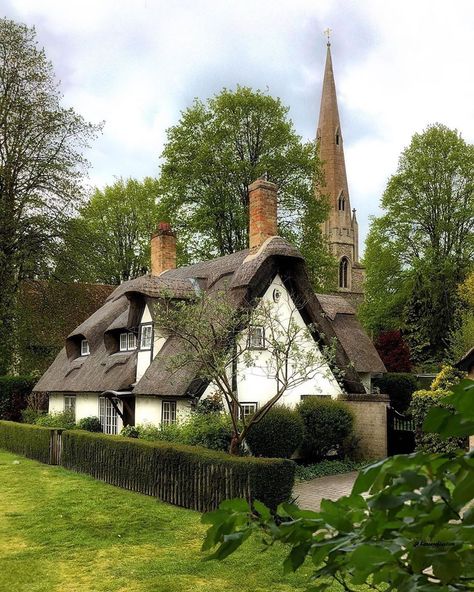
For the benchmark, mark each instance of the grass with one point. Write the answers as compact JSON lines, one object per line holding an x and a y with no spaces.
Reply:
{"x":62,"y":531}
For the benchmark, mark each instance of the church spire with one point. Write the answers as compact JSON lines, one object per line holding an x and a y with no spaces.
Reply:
{"x":331,"y":148}
{"x":341,"y":228}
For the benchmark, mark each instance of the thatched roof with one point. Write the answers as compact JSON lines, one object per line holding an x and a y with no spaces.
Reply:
{"x":246,"y":275}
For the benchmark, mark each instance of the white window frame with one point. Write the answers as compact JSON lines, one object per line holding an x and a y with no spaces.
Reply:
{"x":70,"y":404}
{"x":146,"y":336}
{"x":168,"y":412}
{"x":256,"y":337}
{"x":85,"y":349}
{"x":108,"y":415}
{"x":132,"y":341}
{"x":128,"y":341}
{"x":246,"y":409}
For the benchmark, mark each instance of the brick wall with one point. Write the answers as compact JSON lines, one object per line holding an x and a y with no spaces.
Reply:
{"x":370,"y":425}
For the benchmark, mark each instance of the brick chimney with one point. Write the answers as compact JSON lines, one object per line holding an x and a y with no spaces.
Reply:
{"x":262,"y":212}
{"x":163,"y":249}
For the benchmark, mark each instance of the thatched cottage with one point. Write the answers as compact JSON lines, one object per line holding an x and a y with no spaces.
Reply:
{"x":115,"y":365}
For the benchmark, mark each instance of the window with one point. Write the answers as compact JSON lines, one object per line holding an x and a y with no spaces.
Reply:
{"x":341,"y":202}
{"x":168,"y":412}
{"x":70,"y":404}
{"x":145,"y":337}
{"x":343,"y":267}
{"x":256,"y":338}
{"x":85,"y":351}
{"x":337,"y":137}
{"x":108,"y":415}
{"x":247,"y":409}
{"x":128,"y":341}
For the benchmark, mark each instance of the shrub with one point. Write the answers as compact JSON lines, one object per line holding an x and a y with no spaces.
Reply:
{"x":211,"y":404}
{"x":28,"y":440}
{"x":90,"y":424}
{"x":326,"y":424}
{"x":278,"y":434}
{"x":63,"y":419}
{"x":14,"y":392}
{"x":421,"y":403}
{"x":447,"y":378}
{"x":188,"y":476}
{"x":129,"y":431}
{"x":213,"y":430}
{"x":328,"y":467}
{"x":399,"y":387}
{"x":393,"y":351}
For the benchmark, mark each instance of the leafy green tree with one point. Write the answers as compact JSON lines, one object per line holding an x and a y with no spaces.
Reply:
{"x":41,"y":167}
{"x":110,"y":240}
{"x":216,"y":151}
{"x":406,"y":526}
{"x":462,"y":336}
{"x":422,"y":246}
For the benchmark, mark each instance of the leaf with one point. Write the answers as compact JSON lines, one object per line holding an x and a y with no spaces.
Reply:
{"x":464,"y":490}
{"x":332,"y":513}
{"x":366,"y":555}
{"x":367,"y":476}
{"x":296,"y":557}
{"x":214,"y":517}
{"x":262,"y":510}
{"x":231,"y":543}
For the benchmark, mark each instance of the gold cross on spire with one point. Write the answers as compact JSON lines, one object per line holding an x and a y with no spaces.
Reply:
{"x":328,"y":32}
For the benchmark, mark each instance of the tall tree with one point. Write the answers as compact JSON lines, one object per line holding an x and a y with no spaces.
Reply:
{"x":109,"y":241}
{"x":216,"y":151}
{"x":422,"y":247}
{"x":41,"y":166}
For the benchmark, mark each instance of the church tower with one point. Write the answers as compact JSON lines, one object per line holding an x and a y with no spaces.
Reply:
{"x":340,"y":229}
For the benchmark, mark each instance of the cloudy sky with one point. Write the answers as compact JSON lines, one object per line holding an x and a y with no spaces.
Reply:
{"x":399,"y":65}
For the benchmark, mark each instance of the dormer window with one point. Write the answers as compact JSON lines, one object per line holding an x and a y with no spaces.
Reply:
{"x":146,"y":335}
{"x":128,"y":341}
{"x":85,"y":351}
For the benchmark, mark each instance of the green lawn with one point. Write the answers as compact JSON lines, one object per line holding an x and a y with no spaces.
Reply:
{"x":61,"y":531}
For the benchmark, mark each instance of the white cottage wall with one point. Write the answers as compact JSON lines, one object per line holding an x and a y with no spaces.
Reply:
{"x":254,"y":383}
{"x":148,"y":410}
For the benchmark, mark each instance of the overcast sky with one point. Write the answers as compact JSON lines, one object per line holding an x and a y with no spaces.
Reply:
{"x":399,"y":65}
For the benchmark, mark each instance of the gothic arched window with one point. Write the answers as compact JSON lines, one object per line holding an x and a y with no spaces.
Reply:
{"x":343,"y":271}
{"x":341,"y":202}
{"x":338,"y":137}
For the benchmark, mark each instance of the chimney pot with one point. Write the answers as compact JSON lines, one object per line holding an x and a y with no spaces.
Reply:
{"x":163,"y":249}
{"x":262,"y":212}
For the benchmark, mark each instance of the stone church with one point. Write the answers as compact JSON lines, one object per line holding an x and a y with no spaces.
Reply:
{"x":340,"y":229}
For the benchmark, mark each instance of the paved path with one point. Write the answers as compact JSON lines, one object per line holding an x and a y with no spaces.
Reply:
{"x":310,"y":493}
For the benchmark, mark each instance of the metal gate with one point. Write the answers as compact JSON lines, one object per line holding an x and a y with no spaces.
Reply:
{"x":400,"y":433}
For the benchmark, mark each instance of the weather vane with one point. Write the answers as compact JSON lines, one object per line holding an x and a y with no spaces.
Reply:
{"x":328,"y":32}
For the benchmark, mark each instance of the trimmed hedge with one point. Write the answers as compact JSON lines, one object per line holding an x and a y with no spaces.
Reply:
{"x":28,"y":440}
{"x":399,"y":386}
{"x":191,"y":477}
{"x":278,"y":434}
{"x":327,"y":424}
{"x":14,"y":392}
